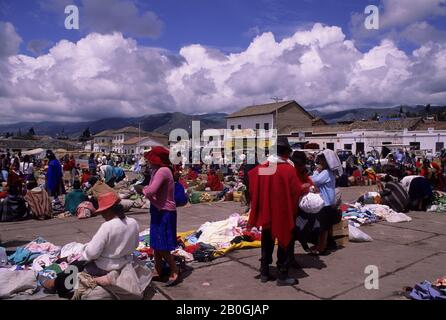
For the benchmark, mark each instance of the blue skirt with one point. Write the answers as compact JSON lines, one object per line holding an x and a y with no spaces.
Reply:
{"x":163,"y":229}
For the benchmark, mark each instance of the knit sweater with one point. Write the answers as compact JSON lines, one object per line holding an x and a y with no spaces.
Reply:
{"x":113,"y":244}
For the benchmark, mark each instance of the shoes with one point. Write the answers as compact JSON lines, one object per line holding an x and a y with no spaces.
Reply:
{"x":266,"y":278}
{"x":287,"y":281}
{"x":174,"y":282}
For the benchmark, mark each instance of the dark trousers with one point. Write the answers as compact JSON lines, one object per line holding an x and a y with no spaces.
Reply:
{"x":284,"y":255}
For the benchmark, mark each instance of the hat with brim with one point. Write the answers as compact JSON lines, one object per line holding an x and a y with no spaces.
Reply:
{"x":106,"y":201}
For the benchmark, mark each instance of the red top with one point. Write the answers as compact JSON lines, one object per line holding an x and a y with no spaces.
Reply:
{"x":274,"y":200}
{"x":214,"y":183}
{"x":192,"y":175}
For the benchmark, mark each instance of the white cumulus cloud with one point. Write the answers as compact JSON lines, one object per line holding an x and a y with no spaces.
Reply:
{"x":112,"y":75}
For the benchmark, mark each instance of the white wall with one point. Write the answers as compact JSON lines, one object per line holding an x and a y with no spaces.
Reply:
{"x":427,"y":139}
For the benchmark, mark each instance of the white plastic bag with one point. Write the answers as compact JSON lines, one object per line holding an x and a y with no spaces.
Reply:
{"x":311,"y":203}
{"x":356,"y":235}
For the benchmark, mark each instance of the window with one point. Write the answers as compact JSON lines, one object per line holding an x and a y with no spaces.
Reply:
{"x":103,"y":140}
{"x":386,"y":143}
{"x":232,"y":128}
{"x":330,"y":146}
{"x":415,"y":145}
{"x":240,"y":127}
{"x":266,"y":126}
{"x":257,"y":126}
{"x":348,"y":146}
{"x":439,"y":146}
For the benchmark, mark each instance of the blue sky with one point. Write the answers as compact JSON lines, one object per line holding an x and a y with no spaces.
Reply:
{"x":133,"y":57}
{"x":226,"y":24}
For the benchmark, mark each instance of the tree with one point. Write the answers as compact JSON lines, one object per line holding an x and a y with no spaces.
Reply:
{"x":86,"y":135}
{"x":428,"y":108}
{"x":401,"y":110}
{"x":31,"y":132}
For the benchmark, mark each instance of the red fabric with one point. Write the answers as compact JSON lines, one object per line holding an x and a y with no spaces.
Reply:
{"x":158,"y":156}
{"x":214,"y":183}
{"x":435,"y":166}
{"x":192,"y":248}
{"x":183,"y":183}
{"x":3,"y":195}
{"x":192,"y":175}
{"x":85,"y":177}
{"x":274,"y":200}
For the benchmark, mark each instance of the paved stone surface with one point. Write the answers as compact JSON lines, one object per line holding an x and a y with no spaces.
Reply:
{"x":404,"y":253}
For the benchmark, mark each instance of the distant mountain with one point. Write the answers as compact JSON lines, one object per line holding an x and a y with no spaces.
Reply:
{"x":161,"y":123}
{"x":368,"y":113}
{"x":166,"y":122}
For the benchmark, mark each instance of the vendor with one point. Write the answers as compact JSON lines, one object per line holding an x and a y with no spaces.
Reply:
{"x":214,"y":182}
{"x":74,"y":198}
{"x":419,"y":190}
{"x":192,"y":174}
{"x":163,"y":214}
{"x":324,"y":179}
{"x":110,"y":248}
{"x":54,"y":175}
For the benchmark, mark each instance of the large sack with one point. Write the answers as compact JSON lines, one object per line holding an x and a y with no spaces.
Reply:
{"x":128,"y":284}
{"x":14,"y":282}
{"x":356,"y":235}
{"x":127,"y":204}
{"x":311,"y":203}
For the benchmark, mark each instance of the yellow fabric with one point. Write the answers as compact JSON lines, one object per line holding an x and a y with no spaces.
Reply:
{"x":237,"y":246}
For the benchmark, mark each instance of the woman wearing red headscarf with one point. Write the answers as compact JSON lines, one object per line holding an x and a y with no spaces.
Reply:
{"x":163,"y":214}
{"x":214,"y":182}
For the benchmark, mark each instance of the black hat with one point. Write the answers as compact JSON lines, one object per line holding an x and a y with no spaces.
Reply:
{"x":283,"y":142}
{"x":283,"y":146}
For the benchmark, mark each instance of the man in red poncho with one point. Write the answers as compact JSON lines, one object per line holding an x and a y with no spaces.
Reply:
{"x":274,"y":200}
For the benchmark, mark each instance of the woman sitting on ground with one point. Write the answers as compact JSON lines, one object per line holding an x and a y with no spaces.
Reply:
{"x":110,"y":249}
{"x":214,"y":182}
{"x":74,"y":198}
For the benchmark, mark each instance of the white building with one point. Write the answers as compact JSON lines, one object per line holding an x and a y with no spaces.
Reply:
{"x":137,"y":145}
{"x":282,"y":116}
{"x":364,"y":136}
{"x":103,"y":141}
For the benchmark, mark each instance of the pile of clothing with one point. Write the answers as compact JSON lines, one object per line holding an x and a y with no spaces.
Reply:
{"x":438,"y":202}
{"x":211,"y":240}
{"x":34,"y":263}
{"x":370,"y":213}
{"x":429,"y":291}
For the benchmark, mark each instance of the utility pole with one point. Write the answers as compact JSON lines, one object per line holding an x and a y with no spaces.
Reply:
{"x":139,"y":137}
{"x":276,"y":100}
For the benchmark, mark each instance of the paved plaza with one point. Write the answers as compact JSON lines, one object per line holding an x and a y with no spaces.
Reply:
{"x":405,"y":253}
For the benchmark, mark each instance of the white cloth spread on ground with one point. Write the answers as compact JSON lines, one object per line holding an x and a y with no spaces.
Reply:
{"x":387,"y":213}
{"x":113,"y":244}
{"x":219,"y":234}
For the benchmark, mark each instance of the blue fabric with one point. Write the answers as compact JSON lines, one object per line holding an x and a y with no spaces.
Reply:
{"x":23,"y":256}
{"x":108,"y":174}
{"x":425,"y":291}
{"x":118,"y":173}
{"x":163,"y":229}
{"x":326,"y":182}
{"x":180,"y":195}
{"x":54,"y":176}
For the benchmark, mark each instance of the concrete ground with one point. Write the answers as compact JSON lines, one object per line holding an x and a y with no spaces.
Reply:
{"x":405,"y":253}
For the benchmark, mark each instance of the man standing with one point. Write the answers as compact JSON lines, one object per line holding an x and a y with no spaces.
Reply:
{"x":274,"y":200}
